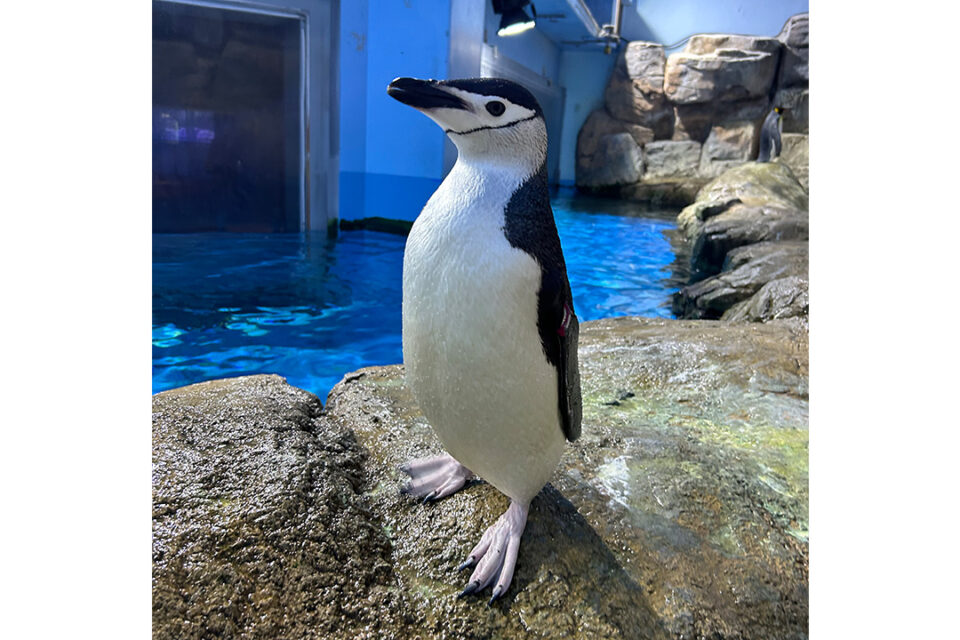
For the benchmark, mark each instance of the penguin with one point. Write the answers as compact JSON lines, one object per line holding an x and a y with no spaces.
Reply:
{"x":770,"y":144}
{"x":489,"y":329}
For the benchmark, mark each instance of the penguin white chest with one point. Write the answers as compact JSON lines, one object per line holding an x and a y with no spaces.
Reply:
{"x":471,"y":346}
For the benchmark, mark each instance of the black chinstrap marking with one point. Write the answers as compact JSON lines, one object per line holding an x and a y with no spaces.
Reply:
{"x":503,"y":126}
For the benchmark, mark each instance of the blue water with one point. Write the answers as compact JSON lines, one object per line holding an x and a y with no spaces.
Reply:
{"x":311,"y":309}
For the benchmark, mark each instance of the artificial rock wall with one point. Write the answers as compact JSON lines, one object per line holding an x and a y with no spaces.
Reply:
{"x":671,"y":124}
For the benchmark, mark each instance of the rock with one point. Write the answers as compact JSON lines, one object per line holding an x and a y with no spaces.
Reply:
{"x":260,"y":527}
{"x":626,"y":101}
{"x":781,"y":298}
{"x":796,"y":118}
{"x":752,"y":184}
{"x":663,"y":192}
{"x":728,"y":145}
{"x":680,"y":512}
{"x":745,"y":271}
{"x":643,"y":62}
{"x":669,"y":159}
{"x":600,"y":123}
{"x":617,"y":161}
{"x":795,"y":65}
{"x":694,"y":121}
{"x":721,"y":68}
{"x":796,"y":155}
{"x":740,"y":225}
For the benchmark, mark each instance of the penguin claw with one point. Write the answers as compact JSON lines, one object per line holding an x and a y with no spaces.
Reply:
{"x":468,"y":563}
{"x":496,"y":594}
{"x":473,"y":586}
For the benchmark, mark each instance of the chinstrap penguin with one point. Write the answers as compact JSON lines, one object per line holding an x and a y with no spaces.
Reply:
{"x":489,"y":329}
{"x":770,"y":143}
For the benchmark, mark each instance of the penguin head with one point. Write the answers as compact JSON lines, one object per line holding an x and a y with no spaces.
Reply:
{"x":488,"y":119}
{"x":779,"y":110}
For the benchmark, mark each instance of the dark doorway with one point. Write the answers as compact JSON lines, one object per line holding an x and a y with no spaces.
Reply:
{"x":228,"y":124}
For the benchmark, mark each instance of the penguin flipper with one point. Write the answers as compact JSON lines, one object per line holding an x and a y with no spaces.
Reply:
{"x":571,"y":403}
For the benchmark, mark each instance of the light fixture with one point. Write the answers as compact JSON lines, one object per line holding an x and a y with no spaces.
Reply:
{"x":513,"y":19}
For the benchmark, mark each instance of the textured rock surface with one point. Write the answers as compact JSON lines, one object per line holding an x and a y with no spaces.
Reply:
{"x":742,"y":225}
{"x":728,"y":145}
{"x":670,"y":159}
{"x":600,"y":123}
{"x":752,"y":184}
{"x":796,"y":155}
{"x":259,"y":523}
{"x":744,"y":272}
{"x":781,"y":298}
{"x":716,"y":92}
{"x":681,"y":511}
{"x":618,"y":160}
{"x":795,"y":66}
{"x":796,"y":118}
{"x":721,"y":68}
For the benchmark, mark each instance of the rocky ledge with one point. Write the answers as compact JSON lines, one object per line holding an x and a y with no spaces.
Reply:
{"x":680,"y":513}
{"x":748,"y":230}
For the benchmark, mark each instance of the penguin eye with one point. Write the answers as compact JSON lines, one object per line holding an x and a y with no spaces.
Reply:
{"x":496,"y":108}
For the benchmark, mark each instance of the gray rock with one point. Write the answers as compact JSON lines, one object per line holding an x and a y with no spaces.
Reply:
{"x":670,"y":159}
{"x":796,"y":118}
{"x":721,"y":68}
{"x":694,"y":121}
{"x":626,"y":100}
{"x":600,"y":123}
{"x":260,"y":526}
{"x":796,"y":155}
{"x":663,"y":192}
{"x":795,"y":66}
{"x":745,"y":271}
{"x":728,"y":145}
{"x":778,"y":299}
{"x":753,"y":184}
{"x":680,"y":512}
{"x":643,"y":62}
{"x":740,"y":225}
{"x":617,"y":161}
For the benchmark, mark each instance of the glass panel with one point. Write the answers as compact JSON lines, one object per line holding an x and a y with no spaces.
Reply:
{"x":227,"y":133}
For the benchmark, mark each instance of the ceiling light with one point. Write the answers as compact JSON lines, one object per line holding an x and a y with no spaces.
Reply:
{"x":513,"y":18}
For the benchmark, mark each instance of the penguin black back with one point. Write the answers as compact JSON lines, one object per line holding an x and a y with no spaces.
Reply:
{"x":529,"y":226}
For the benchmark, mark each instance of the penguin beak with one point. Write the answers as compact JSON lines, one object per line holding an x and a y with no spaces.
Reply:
{"x":423,"y":94}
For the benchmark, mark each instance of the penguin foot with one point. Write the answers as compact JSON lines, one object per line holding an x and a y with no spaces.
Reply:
{"x":434,"y":478}
{"x":495,"y":555}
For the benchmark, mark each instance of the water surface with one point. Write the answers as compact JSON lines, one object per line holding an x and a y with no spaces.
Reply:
{"x":311,"y":309}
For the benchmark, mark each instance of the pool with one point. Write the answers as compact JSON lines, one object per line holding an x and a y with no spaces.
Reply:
{"x":311,"y":309}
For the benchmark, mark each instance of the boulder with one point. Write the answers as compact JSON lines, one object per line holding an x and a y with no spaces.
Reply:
{"x":728,"y":145}
{"x":600,"y":123}
{"x":694,"y":121}
{"x":752,"y":184}
{"x":627,"y":101}
{"x":617,"y":161}
{"x":643,"y":63}
{"x":741,"y":225}
{"x":260,"y":528}
{"x":796,"y":118}
{"x":745,"y":270}
{"x":796,"y":155}
{"x":721,"y":68}
{"x":670,"y":159}
{"x":781,"y":298}
{"x":662,"y":192}
{"x":795,"y":65}
{"x":680,"y":512}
